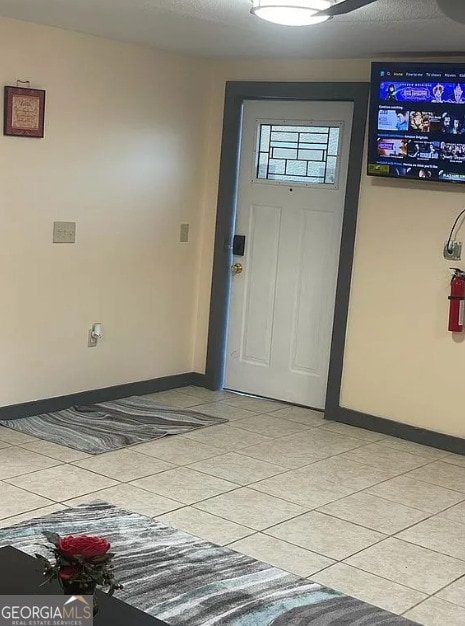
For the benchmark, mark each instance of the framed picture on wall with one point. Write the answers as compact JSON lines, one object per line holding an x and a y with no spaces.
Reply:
{"x":24,"y":112}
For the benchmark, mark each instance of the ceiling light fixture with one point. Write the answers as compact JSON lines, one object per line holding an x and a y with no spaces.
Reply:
{"x":291,"y":12}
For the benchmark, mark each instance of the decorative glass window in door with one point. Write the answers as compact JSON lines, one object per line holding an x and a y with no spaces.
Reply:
{"x":297,"y":154}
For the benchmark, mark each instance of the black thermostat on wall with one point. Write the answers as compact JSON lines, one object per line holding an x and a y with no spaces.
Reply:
{"x":239,"y":245}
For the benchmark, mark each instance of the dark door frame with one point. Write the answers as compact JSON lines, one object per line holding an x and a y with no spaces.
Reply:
{"x":235,"y":95}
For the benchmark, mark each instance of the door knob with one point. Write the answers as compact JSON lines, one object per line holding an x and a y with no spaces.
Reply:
{"x":236,"y":268}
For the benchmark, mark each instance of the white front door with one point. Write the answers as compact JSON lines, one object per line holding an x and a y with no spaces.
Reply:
{"x":291,"y":192}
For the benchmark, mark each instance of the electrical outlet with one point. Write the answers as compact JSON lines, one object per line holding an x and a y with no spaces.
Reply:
{"x":91,"y":339}
{"x":453,"y":251}
{"x":64,"y":232}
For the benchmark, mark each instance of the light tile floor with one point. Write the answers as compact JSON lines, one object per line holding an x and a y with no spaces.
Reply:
{"x":373,"y":516}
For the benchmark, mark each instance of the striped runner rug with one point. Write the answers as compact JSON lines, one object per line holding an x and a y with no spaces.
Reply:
{"x":186,"y":581}
{"x":111,"y":425}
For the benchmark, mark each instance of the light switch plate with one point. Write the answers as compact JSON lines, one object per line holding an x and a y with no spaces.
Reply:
{"x":184,"y":233}
{"x":64,"y":232}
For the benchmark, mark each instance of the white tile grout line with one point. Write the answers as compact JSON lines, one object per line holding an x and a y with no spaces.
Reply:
{"x":425,"y":600}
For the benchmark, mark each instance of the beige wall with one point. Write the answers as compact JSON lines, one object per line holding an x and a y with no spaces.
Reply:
{"x":400,"y":361}
{"x":123,"y":157}
{"x":132,"y":150}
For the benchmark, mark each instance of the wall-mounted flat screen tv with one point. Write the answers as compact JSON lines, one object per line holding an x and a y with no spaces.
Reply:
{"x":417,"y":121}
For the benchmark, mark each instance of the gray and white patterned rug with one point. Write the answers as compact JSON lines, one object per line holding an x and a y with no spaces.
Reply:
{"x":112,"y":425}
{"x":186,"y":581}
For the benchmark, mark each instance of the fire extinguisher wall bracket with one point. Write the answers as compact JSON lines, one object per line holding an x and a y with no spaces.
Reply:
{"x":457,"y":301}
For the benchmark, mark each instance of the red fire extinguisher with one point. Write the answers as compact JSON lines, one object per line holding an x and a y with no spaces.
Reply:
{"x":457,"y":301}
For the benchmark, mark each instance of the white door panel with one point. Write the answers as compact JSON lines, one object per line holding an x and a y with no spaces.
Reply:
{"x":260,"y":284}
{"x":282,"y":304}
{"x":306,"y":309}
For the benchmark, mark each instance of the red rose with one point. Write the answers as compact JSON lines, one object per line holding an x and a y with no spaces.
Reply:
{"x":66,"y":573}
{"x":87,"y":547}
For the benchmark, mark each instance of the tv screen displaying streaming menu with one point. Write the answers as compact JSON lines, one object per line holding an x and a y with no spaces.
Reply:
{"x":417,"y":121}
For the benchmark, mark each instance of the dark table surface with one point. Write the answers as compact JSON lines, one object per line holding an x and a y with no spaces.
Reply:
{"x":20,"y":574}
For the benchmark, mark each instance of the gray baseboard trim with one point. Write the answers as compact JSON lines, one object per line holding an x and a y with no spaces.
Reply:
{"x":211,"y":382}
{"x":49,"y":405}
{"x":397,"y":429}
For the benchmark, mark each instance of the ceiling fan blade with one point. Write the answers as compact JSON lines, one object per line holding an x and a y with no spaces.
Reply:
{"x":452,"y":9}
{"x":346,"y":7}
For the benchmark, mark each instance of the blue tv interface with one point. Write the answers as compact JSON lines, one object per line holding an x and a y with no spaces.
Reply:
{"x":417,"y":121}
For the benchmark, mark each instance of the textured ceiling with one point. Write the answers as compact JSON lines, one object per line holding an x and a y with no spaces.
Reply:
{"x":225,"y":28}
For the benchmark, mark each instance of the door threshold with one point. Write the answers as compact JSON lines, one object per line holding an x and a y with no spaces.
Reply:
{"x":255,"y":397}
